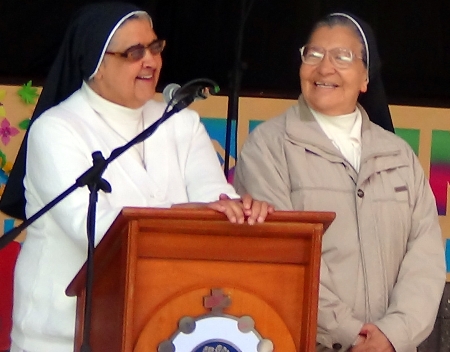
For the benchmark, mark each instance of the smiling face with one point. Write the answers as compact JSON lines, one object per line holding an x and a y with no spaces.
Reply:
{"x":329,"y":90}
{"x":124,"y":82}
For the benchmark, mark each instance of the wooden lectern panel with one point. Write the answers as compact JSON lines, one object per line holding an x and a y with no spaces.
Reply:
{"x":156,"y":266}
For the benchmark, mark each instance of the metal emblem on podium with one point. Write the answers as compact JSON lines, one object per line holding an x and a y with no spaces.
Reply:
{"x":216,"y":331}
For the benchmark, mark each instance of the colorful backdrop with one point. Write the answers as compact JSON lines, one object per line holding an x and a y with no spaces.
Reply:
{"x":426,"y":129}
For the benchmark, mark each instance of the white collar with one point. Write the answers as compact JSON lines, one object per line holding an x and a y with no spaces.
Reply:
{"x":347,"y":124}
{"x":109,"y":111}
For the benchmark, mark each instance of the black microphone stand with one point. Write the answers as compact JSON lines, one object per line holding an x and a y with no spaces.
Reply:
{"x":235,"y":86}
{"x":93,"y":179}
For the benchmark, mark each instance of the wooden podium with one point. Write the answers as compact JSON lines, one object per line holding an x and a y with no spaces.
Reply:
{"x":156,"y":266}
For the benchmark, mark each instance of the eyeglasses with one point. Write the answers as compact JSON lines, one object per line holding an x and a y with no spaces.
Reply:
{"x":340,"y":57}
{"x":137,"y":52}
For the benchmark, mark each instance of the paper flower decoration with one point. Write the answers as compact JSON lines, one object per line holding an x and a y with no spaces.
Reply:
{"x":5,"y":168}
{"x":28,"y":93}
{"x":2,"y":159}
{"x":24,"y":124}
{"x":2,"y":108}
{"x":7,"y":131}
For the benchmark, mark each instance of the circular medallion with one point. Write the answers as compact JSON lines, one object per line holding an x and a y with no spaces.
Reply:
{"x":180,"y":318}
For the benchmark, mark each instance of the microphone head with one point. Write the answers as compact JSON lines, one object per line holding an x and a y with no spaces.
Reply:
{"x":169,"y":91}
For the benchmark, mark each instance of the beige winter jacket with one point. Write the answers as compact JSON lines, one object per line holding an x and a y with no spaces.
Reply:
{"x":382,"y":257}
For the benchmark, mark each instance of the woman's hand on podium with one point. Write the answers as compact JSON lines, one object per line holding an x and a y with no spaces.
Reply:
{"x":237,"y":210}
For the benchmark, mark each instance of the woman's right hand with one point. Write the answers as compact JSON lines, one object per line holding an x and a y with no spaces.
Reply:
{"x":237,"y":210}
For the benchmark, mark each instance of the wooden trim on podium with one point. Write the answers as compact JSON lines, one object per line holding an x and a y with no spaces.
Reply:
{"x":154,"y":266}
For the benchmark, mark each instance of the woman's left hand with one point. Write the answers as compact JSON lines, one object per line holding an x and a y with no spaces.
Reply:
{"x":373,"y":340}
{"x":237,"y":210}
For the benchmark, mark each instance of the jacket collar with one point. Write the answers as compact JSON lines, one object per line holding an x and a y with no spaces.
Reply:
{"x":302,"y":127}
{"x":377,"y":143}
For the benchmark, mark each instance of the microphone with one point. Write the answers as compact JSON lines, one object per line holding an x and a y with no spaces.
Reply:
{"x":182,"y":96}
{"x":169,"y":91}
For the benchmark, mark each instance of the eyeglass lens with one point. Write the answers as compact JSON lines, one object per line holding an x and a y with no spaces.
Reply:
{"x":137,"y":52}
{"x":340,"y":57}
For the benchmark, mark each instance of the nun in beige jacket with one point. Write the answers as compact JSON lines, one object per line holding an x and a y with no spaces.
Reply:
{"x":382,"y":268}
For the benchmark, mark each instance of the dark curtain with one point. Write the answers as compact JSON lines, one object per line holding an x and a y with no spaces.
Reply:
{"x":413,"y":40}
